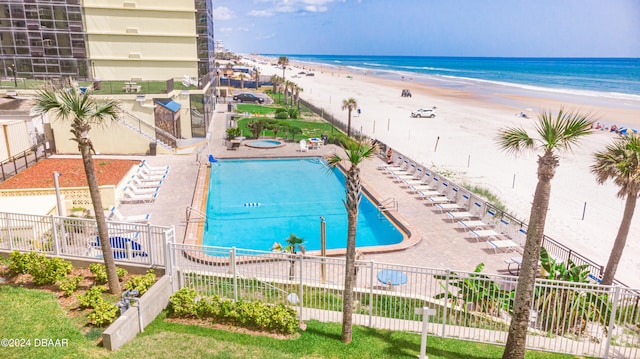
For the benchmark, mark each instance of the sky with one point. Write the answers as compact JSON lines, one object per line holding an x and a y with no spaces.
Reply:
{"x":492,"y":28}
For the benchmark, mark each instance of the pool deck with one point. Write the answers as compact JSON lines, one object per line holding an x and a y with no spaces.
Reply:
{"x":437,"y":242}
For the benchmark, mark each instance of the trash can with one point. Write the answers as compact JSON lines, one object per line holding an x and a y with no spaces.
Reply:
{"x":152,"y":148}
{"x":229,"y":107}
{"x":97,"y":84}
{"x":324,"y":138}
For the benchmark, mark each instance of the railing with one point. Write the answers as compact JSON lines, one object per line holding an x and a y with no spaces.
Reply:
{"x":14,"y":165}
{"x":509,"y":225}
{"x":574,"y":318}
{"x":78,"y":237}
{"x":149,"y":130}
{"x":200,"y":216}
{"x":388,"y":204}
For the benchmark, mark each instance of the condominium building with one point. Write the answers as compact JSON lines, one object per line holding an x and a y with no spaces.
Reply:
{"x":105,"y":39}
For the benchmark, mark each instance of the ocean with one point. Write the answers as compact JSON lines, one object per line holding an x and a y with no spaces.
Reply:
{"x":609,"y":77}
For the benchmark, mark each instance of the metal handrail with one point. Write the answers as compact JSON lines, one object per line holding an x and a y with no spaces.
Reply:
{"x":201,"y":215}
{"x":388,"y":204}
{"x":140,"y":123}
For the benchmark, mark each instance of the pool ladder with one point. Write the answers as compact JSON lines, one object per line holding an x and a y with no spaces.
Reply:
{"x":198,"y":214}
{"x":388,"y":205}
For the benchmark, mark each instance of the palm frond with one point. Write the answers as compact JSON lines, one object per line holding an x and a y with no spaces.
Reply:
{"x":515,"y":140}
{"x":620,"y":161}
{"x":564,"y":130}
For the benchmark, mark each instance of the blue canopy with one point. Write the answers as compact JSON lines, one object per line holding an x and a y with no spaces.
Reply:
{"x":392,"y":277}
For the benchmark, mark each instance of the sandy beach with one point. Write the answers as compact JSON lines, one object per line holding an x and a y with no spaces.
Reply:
{"x":460,"y":141}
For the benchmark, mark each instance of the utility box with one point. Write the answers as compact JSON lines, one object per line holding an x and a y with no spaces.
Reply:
{"x":153,"y":148}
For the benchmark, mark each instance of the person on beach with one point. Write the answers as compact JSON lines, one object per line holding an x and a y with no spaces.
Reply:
{"x":389,"y":155}
{"x":359,"y":112}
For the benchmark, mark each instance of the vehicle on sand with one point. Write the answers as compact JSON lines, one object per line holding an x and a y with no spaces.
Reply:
{"x":428,"y":113}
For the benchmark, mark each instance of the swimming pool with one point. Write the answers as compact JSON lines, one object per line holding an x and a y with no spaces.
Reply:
{"x":265,"y":144}
{"x":254,"y":203}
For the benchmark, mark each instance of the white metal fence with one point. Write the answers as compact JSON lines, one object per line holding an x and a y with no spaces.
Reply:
{"x":574,"y":318}
{"x":78,"y":237}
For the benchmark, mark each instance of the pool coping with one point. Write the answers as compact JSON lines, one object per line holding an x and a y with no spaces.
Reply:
{"x":195,"y":228}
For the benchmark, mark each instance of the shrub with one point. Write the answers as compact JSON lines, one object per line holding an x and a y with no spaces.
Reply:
{"x":69,"y":284}
{"x":257,"y":315}
{"x":19,"y":263}
{"x":141,"y":283}
{"x":293,"y":112}
{"x":91,"y":298}
{"x":48,"y":270}
{"x":280,"y":110}
{"x":233,"y":132}
{"x":100,"y":272}
{"x":282,"y":115}
{"x":183,"y":303}
{"x":103,"y":313}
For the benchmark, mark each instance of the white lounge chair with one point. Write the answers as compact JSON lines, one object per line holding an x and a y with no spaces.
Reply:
{"x":130,"y":197}
{"x":147,"y":190}
{"x":146,"y":165}
{"x":144,"y":184}
{"x":147,"y":177}
{"x":448,"y":207}
{"x":507,"y":244}
{"x":147,"y":171}
{"x":475,"y":224}
{"x":116,"y":215}
{"x":460,"y":215}
{"x":486,"y":233}
{"x":303,"y":146}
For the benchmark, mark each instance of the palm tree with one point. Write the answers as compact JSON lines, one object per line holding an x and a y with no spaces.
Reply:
{"x":620,"y":162}
{"x":349,"y":104}
{"x":257,"y":75}
{"x":275,"y":82}
{"x":286,"y":84}
{"x":242,"y":80}
{"x":298,"y":89}
{"x":355,"y":152}
{"x":554,"y":134}
{"x":283,"y":61}
{"x":83,"y":112}
{"x":294,"y":243}
{"x":229,"y":72}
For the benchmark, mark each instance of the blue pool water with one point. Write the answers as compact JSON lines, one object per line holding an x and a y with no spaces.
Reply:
{"x":254,"y":203}
{"x":265,"y":143}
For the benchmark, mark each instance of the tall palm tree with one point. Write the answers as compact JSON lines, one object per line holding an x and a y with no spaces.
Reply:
{"x":286,"y":85}
{"x":83,"y":112}
{"x":229,"y":73}
{"x":355,"y":152}
{"x":349,"y":104}
{"x":275,"y":82}
{"x":283,"y":61}
{"x":298,"y":89}
{"x":257,"y":76}
{"x":554,"y":134}
{"x":620,"y":161}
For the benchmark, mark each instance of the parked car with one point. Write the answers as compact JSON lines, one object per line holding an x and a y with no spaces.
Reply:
{"x":428,"y":113}
{"x":247,"y":97}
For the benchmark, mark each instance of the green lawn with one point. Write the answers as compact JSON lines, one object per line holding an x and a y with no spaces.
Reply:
{"x":33,"y":314}
{"x":35,"y":317}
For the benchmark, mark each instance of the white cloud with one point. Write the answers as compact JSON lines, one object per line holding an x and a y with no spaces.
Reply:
{"x":225,"y":29}
{"x":261,"y":13}
{"x":265,"y":36}
{"x":293,"y":6}
{"x":243,"y":29}
{"x":222,"y":13}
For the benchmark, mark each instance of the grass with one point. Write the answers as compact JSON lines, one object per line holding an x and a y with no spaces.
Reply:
{"x":319,"y":340}
{"x":34,"y":316}
{"x":37,"y":314}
